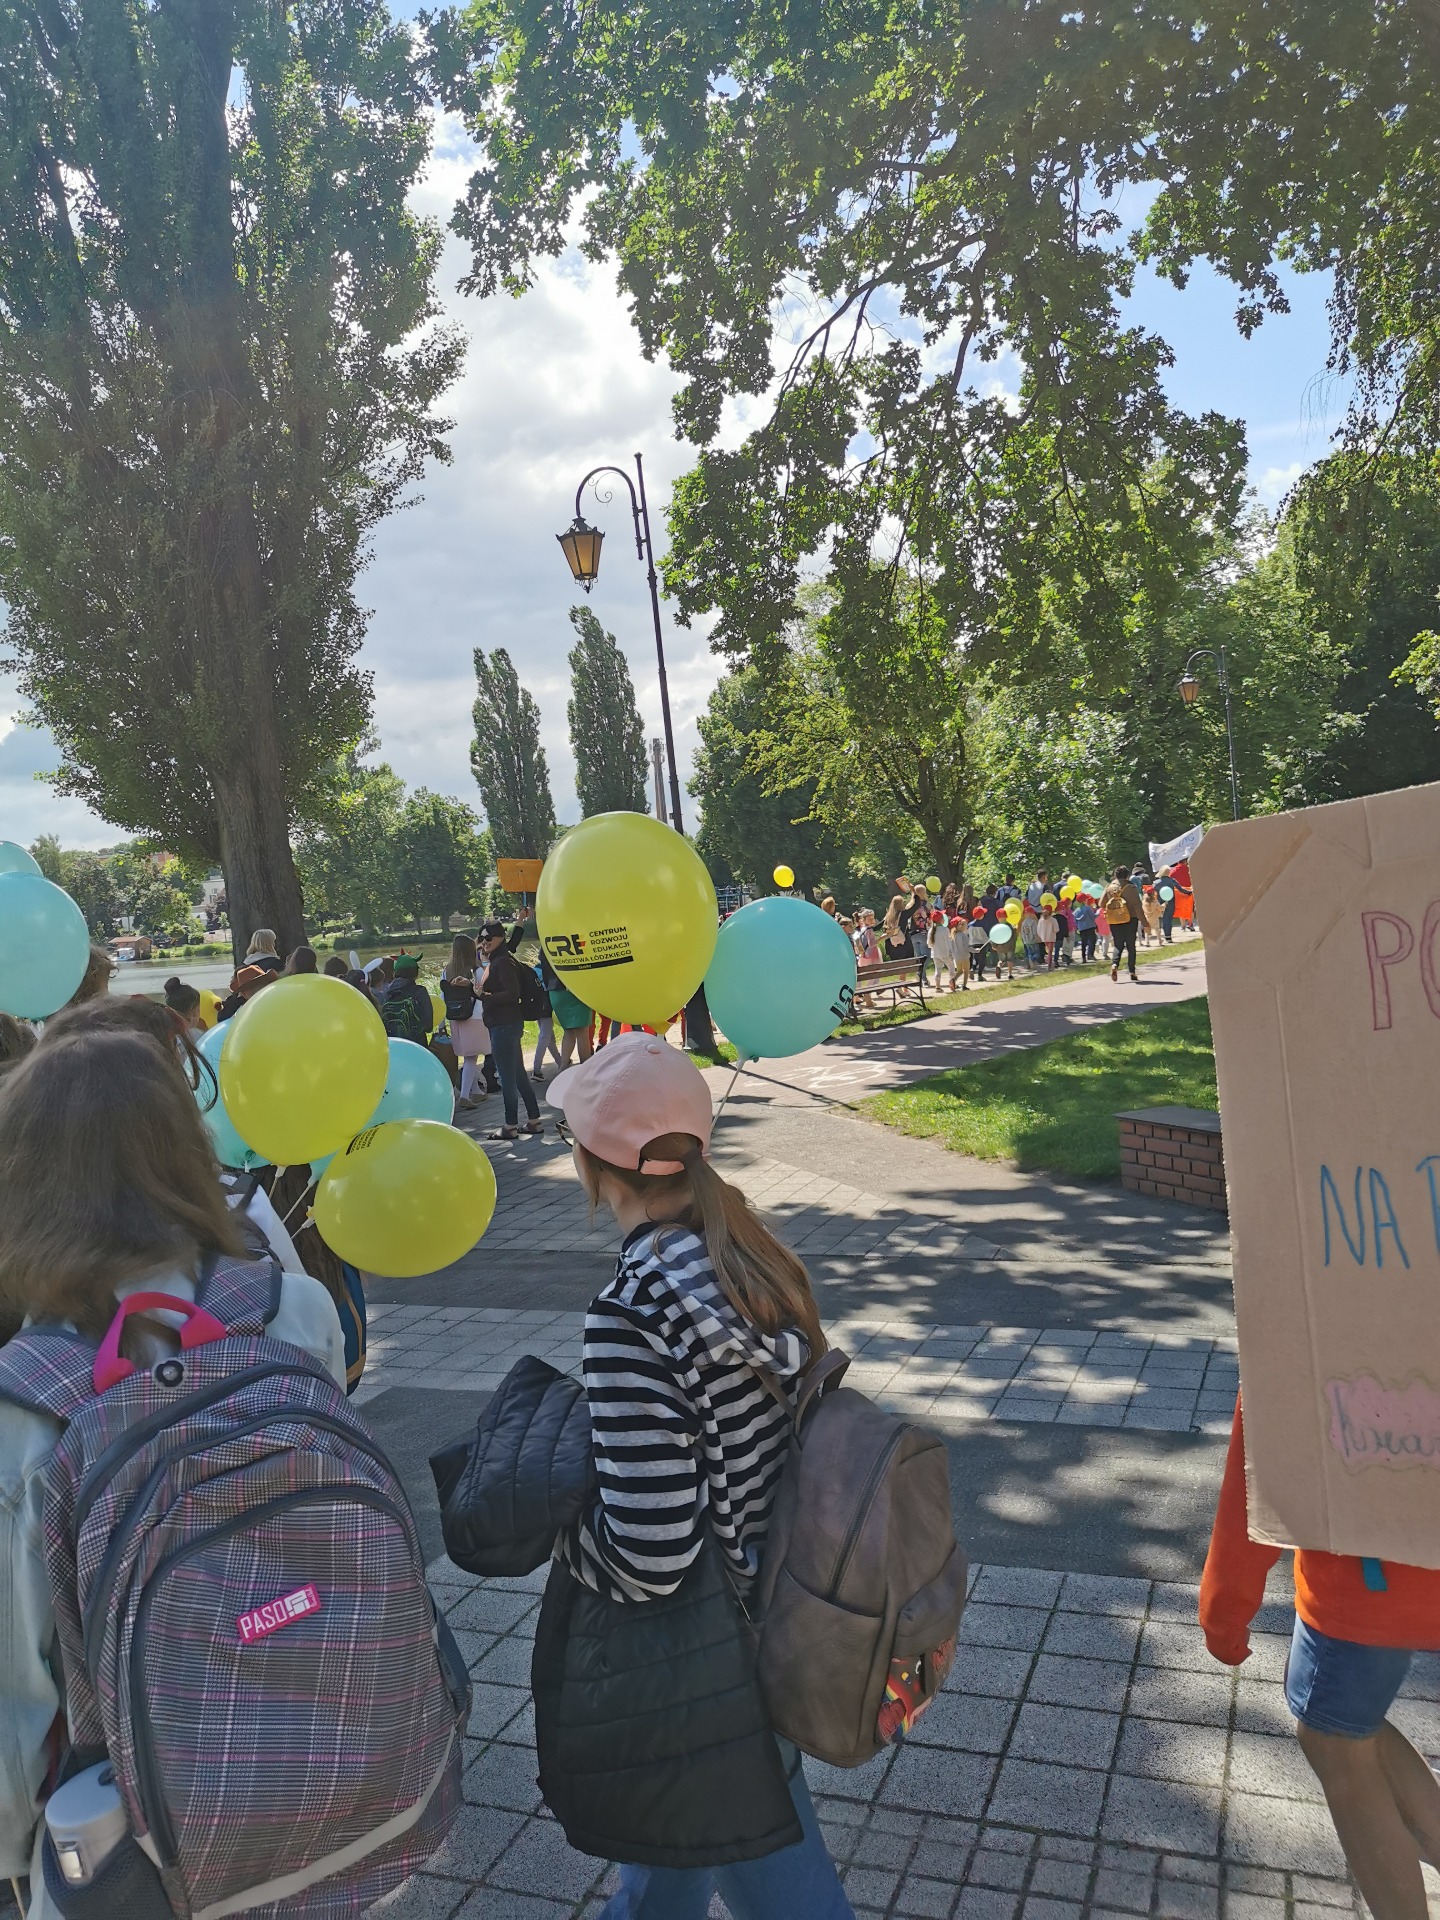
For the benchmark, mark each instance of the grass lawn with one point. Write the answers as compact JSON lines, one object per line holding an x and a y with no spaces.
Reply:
{"x":1054,"y":1107}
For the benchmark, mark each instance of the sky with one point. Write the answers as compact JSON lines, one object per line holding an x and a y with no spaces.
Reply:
{"x":555,"y":383}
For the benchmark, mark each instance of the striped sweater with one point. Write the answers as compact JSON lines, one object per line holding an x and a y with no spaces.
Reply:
{"x":685,"y":1435}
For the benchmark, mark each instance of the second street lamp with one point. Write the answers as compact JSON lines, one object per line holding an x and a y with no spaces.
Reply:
{"x":1190,"y":693}
{"x":580,"y":543}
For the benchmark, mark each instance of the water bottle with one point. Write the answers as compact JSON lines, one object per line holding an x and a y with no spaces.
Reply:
{"x":87,"y":1822}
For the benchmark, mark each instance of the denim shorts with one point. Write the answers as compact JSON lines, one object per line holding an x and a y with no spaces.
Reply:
{"x":1338,"y":1686}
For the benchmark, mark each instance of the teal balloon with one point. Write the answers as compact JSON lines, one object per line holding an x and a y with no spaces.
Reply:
{"x":230,"y":1149}
{"x":14,"y":859}
{"x":1001,"y":934}
{"x":417,"y":1087}
{"x":44,"y":946}
{"x":782,"y":979}
{"x":1166,"y":892}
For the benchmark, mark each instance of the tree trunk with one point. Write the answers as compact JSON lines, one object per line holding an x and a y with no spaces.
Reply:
{"x":261,"y":883}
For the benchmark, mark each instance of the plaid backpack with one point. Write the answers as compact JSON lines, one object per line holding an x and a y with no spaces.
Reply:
{"x":243,"y":1618}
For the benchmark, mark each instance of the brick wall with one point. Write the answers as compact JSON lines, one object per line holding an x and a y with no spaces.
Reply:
{"x":1175,"y":1153}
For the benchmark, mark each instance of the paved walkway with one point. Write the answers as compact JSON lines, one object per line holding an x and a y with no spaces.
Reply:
{"x":1074,"y":1346}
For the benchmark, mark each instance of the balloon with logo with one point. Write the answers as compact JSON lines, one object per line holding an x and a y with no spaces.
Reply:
{"x":417,"y":1087}
{"x":405,"y":1198}
{"x":1047,"y":900}
{"x":627,"y":917}
{"x":1014,"y":912}
{"x":784,"y":876}
{"x":14,"y":858}
{"x":303,"y":1067}
{"x":782,"y":979}
{"x":230,"y":1149}
{"x":209,"y":1008}
{"x":44,"y":945}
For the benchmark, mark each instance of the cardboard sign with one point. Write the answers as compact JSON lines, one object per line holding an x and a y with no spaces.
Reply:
{"x":1322,"y":933}
{"x":519,"y":876}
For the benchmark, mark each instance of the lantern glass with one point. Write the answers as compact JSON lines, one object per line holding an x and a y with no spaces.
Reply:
{"x":581,"y":546}
{"x":1189,"y":688}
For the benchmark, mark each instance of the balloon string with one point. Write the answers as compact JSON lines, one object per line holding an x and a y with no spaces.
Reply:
{"x":309,"y":1189}
{"x":740,"y":1067}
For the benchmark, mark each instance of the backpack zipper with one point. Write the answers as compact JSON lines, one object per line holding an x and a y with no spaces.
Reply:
{"x":97,"y":1613}
{"x":152,"y":1800}
{"x":857,"y":1517}
{"x":128,"y":1443}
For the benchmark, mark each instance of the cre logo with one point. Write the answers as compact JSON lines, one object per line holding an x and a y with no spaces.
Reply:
{"x":564,"y":946}
{"x":844,"y":1002}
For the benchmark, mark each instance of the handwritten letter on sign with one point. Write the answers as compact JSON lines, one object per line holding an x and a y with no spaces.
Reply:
{"x":1322,"y":933}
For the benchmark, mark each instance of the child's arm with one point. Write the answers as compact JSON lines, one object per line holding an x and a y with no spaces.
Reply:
{"x":1233,"y":1583}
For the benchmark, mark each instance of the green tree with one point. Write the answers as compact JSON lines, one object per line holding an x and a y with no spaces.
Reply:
{"x":156,"y":892}
{"x":747,"y":829}
{"x":217,"y":374}
{"x":348,"y":858}
{"x":89,"y":880}
{"x":606,"y":736}
{"x":47,"y":855}
{"x":508,"y":761}
{"x":437,"y":856}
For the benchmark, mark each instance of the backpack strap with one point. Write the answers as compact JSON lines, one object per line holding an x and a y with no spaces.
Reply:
{"x":244,"y":1295}
{"x":828,"y":1371}
{"x":48,"y":1369}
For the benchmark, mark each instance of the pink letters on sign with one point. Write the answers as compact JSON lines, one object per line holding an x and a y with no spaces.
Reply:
{"x":276,"y":1614}
{"x":1380,"y":960}
{"x":1375,"y":1426}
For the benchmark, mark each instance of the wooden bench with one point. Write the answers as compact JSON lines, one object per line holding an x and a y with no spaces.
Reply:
{"x":894,"y":977}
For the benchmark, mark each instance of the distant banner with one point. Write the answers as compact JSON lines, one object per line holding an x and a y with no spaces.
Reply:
{"x":519,"y":876}
{"x":1172,"y":850}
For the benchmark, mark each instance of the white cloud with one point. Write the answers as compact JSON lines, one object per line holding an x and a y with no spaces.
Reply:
{"x":1274,"y":483}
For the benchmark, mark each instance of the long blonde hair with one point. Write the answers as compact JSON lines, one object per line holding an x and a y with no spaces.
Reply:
{"x":262,"y":941}
{"x":462,"y":961}
{"x":764,"y":1282}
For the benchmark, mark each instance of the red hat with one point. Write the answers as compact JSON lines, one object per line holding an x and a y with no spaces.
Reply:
{"x":978,"y":914}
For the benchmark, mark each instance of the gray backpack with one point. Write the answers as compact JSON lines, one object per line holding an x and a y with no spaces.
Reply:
{"x":863,"y":1582}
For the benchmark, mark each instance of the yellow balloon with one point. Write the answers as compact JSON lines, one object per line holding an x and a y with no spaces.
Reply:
{"x":406,"y":1198}
{"x":627,"y":916}
{"x":209,"y":1008}
{"x":932,"y":883}
{"x":1047,"y":900}
{"x":437,"y":1005}
{"x":305,"y":1061}
{"x":784,"y":876}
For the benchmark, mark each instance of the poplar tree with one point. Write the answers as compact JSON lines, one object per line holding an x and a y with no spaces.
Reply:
{"x":508,"y":761}
{"x":606,"y":735}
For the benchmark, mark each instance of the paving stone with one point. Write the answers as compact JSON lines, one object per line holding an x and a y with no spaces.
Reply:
{"x":927,"y":1899}
{"x":418,"y":1898}
{"x":542,"y":1857}
{"x":870,"y":1886}
{"x":1176,"y":1866}
{"x":1124,"y":1892}
{"x":1203,"y":1699}
{"x":1031,"y":1793}
{"x":968,"y":1723}
{"x":507,"y":1663}
{"x":1169,"y":1644}
{"x":1158,"y":1813}
{"x":947,"y":1859}
{"x":1072,"y":1736}
{"x":1325,"y":1893}
{"x":1003,"y":1625}
{"x":1262,"y":1880}
{"x":985,"y":1903}
{"x":1061,"y":1681}
{"x":1019,"y":1586}
{"x":494,"y":1903}
{"x":993,"y":1868}
{"x":1093,"y":1636}
{"x":492,"y":1708}
{"x":1187,"y":1900}
{"x":1252,"y":1906}
{"x":1038,"y":1907}
{"x":1171,"y":1750}
{"x":893,"y":1820}
{"x":875,"y":1848}
{"x":478,"y":1838}
{"x":935,"y":1780}
{"x":1057,"y":1847}
{"x":989,"y":1670}
{"x":1268,"y":1655}
{"x":1282,"y":1833}
{"x":490,"y":1611}
{"x":1066,"y":1879}
{"x":1260,"y":1707}
{"x":1269,"y":1764}
{"x":504,"y":1777}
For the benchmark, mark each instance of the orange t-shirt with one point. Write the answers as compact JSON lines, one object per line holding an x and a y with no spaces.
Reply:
{"x":1330,"y":1590}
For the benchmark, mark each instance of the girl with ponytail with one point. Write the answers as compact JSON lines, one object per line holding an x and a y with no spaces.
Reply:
{"x":692,"y":1357}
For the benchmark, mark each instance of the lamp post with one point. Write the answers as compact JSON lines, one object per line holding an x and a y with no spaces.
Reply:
{"x":580,"y":544}
{"x":1189,"y":693}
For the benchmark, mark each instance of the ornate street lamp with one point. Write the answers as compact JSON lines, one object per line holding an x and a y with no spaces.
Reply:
{"x":1190,"y":692}
{"x":580,"y":544}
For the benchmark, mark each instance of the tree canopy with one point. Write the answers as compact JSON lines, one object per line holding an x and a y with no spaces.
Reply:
{"x":606,"y":736}
{"x":218,"y":370}
{"x":508,"y":761}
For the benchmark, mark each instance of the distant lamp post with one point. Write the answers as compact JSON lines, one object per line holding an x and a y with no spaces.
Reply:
{"x":581,"y":547}
{"x":580,"y":544}
{"x":1190,"y":693}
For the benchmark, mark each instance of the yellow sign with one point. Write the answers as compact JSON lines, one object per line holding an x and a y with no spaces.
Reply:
{"x":519,"y":876}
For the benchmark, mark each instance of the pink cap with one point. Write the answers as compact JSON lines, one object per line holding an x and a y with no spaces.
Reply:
{"x":629,"y":1093}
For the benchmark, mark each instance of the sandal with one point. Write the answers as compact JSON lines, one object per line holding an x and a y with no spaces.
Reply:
{"x":535,"y":1128}
{"x":504,"y":1133}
